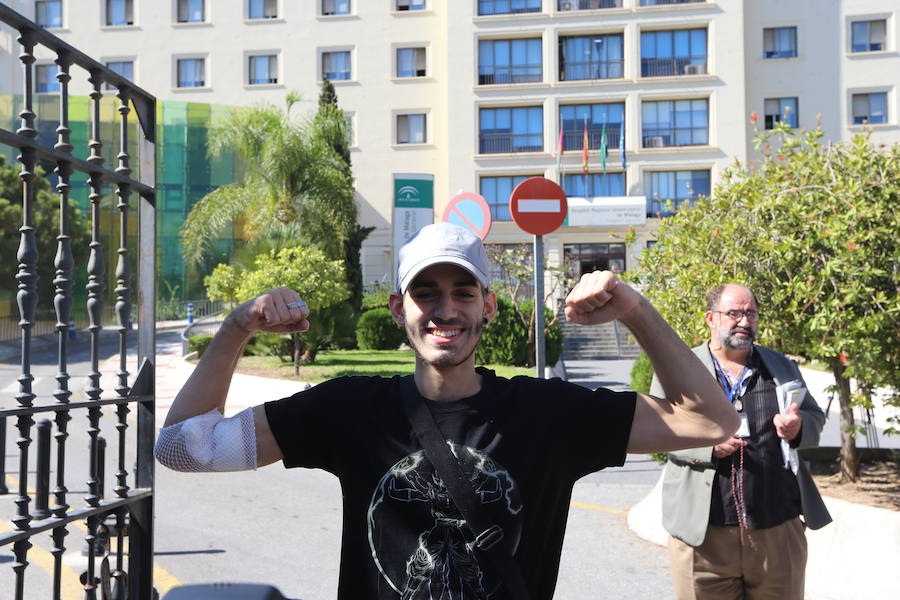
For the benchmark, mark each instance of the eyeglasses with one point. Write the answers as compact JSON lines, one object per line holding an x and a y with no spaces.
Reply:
{"x":737,"y":315}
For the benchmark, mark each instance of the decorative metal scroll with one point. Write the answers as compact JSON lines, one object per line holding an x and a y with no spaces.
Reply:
{"x":112,"y":526}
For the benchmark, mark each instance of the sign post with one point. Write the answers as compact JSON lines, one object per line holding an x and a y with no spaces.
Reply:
{"x":538,"y":207}
{"x":413,"y":208}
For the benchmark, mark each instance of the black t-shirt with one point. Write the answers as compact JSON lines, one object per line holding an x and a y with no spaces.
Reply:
{"x":522,"y":441}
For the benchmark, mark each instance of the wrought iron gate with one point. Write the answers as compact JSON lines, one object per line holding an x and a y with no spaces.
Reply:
{"x":127,"y":514}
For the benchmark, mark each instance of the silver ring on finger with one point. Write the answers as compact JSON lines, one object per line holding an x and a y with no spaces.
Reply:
{"x":297,"y":304}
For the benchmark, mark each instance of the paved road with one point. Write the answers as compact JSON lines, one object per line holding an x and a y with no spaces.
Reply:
{"x":283,"y":526}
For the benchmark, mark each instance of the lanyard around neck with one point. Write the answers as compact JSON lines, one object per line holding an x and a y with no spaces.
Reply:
{"x":733,"y":391}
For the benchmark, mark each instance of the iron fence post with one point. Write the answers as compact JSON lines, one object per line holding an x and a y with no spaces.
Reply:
{"x":3,"y":489}
{"x":42,"y":483}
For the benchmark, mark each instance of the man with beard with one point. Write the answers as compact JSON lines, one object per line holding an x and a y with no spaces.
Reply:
{"x":733,"y":510}
{"x":521,"y":443}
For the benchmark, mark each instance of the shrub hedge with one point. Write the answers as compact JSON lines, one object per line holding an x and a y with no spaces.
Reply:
{"x":641,"y":374}
{"x":376,"y":330}
{"x":198,"y":343}
{"x":505,"y":340}
{"x":270,"y":344}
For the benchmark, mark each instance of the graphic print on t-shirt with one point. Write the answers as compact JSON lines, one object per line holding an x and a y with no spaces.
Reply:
{"x":419,"y":538}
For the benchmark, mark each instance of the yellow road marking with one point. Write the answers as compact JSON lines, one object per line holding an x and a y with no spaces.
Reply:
{"x":70,"y":586}
{"x":72,"y":589}
{"x":611,"y":511}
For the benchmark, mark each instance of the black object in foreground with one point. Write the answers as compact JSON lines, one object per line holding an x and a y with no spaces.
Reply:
{"x":225,"y":591}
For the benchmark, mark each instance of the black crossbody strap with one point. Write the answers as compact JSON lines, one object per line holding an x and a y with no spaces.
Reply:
{"x":486,"y":532}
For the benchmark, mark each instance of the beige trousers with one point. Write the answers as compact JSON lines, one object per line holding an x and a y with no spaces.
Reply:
{"x":733,"y":564}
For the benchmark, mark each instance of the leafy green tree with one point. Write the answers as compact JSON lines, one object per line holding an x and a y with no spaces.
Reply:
{"x":516,"y":265}
{"x":46,"y":221}
{"x":295,"y":187}
{"x":318,"y":280}
{"x":812,"y":229}
{"x":330,"y":125}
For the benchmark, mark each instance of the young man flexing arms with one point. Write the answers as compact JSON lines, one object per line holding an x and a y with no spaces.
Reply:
{"x":522,"y":442}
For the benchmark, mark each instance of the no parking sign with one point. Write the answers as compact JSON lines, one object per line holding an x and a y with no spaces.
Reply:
{"x":469,"y":210}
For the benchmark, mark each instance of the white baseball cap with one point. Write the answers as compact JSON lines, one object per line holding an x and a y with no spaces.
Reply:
{"x":442,"y":243}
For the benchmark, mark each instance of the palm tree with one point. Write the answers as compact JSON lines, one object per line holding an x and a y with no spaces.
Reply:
{"x":295,"y":187}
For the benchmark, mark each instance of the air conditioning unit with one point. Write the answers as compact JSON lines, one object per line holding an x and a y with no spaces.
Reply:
{"x":655,"y":141}
{"x":569,"y":5}
{"x":695,"y":69}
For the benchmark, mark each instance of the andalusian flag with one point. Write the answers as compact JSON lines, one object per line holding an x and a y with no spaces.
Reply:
{"x":622,"y":143}
{"x":584,"y":149}
{"x":604,"y":151}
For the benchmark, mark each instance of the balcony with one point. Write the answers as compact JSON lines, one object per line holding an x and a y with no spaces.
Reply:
{"x":507,"y":7}
{"x":573,"y":140}
{"x":660,"y":2}
{"x":569,"y":5}
{"x":601,"y":69}
{"x":527,"y":73}
{"x":664,"y":137}
{"x":498,"y":143}
{"x":671,"y":67}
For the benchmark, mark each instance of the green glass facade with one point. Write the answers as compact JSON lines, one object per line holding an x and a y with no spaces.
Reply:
{"x":185,"y":173}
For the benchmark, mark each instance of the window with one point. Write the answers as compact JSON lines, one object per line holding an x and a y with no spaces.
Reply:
{"x":48,"y":13}
{"x":506,"y":7}
{"x":411,"y":129}
{"x":45,"y":79}
{"x":658,"y":2}
{"x":590,"y":57}
{"x":336,"y":65}
{"x":191,"y":72}
{"x":125,"y":68}
{"x":675,"y":123}
{"x":868,"y":36}
{"x":119,"y":12}
{"x":870,"y":108}
{"x":779,"y":42}
{"x":666,"y":53}
{"x":410,"y":62}
{"x":335,"y":7}
{"x":191,"y":11}
{"x":662,"y":187}
{"x":262,"y":9}
{"x":574,"y":117}
{"x":496,"y":191}
{"x":593,"y":185}
{"x":263,"y":69}
{"x":781,"y":109}
{"x":518,"y":129}
{"x":587,"y":258}
{"x":567,"y":5}
{"x":410,"y":4}
{"x":509,"y":61}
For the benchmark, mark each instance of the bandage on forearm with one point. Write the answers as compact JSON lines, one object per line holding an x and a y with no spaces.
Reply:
{"x":209,"y":443}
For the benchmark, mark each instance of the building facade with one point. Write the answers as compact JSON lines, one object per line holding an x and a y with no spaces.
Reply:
{"x":477,"y":95}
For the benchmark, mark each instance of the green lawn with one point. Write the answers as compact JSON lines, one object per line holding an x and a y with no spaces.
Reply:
{"x":336,"y":363}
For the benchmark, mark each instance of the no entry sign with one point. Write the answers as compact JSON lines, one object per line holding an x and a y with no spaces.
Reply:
{"x":469,"y":210}
{"x":538,"y":206}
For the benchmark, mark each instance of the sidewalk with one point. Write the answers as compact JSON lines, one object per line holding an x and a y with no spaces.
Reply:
{"x":245,"y":390}
{"x":853,"y":558}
